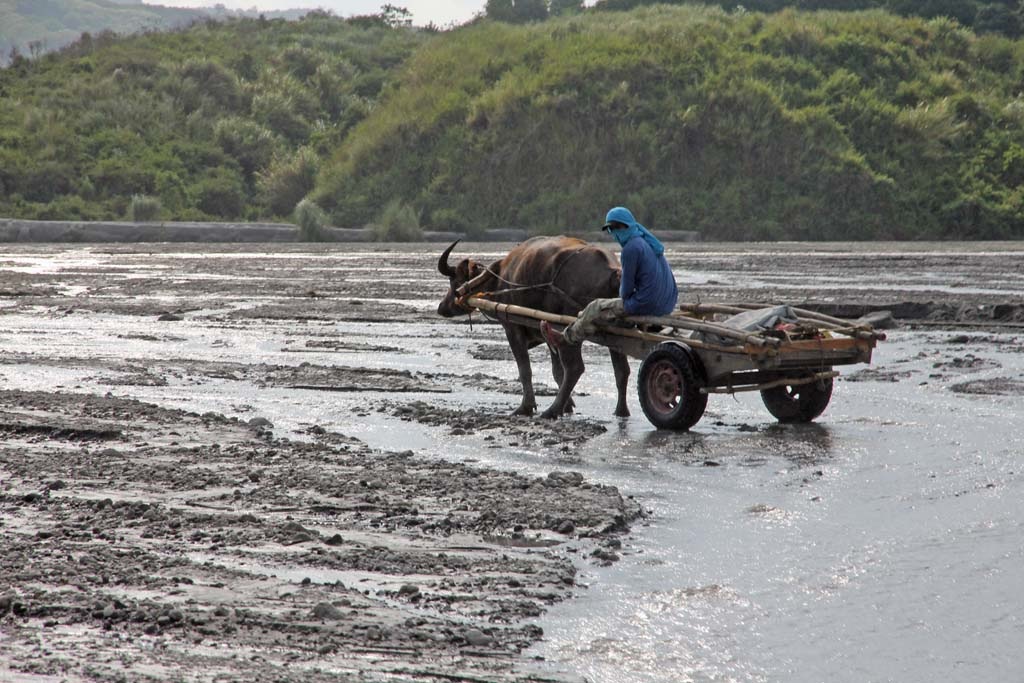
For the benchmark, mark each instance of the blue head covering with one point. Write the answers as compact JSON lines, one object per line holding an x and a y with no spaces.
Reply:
{"x":633,"y":229}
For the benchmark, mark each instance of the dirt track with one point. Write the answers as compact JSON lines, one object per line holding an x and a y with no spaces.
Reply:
{"x":142,"y":542}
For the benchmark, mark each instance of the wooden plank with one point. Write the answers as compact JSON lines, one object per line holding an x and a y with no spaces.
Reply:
{"x":833,"y":344}
{"x":688,"y":323}
{"x":831,"y":351}
{"x":782,"y":382}
{"x":837,"y":325}
{"x":500,"y":309}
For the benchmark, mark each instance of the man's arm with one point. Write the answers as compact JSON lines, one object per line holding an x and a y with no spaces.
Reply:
{"x":630,"y":259}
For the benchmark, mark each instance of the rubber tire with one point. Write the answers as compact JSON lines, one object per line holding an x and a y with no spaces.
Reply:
{"x":672,"y":363}
{"x":800,"y":403}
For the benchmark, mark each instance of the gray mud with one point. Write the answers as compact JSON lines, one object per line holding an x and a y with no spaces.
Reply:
{"x":156,"y":525}
{"x":139,"y":539}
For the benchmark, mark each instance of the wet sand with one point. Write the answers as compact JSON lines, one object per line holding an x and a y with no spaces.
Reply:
{"x":157,"y":539}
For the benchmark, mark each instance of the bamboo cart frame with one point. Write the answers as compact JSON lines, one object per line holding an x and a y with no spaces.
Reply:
{"x":736,"y":361}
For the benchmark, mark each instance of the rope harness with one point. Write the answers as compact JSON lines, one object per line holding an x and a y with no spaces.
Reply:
{"x":519,"y":287}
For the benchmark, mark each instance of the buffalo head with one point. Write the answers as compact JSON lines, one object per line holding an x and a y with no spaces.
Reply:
{"x":466,"y":277}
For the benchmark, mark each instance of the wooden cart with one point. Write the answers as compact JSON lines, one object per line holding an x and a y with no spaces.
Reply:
{"x":687,"y":356}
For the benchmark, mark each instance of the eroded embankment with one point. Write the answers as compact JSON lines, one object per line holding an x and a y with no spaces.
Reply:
{"x":160,"y":541}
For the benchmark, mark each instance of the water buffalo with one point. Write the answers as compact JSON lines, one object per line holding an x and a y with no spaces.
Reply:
{"x":554,"y":274}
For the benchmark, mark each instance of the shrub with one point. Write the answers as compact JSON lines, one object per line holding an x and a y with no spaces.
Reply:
{"x":311,"y":220}
{"x":220,"y":194}
{"x":398,"y":222}
{"x":299,"y":61}
{"x":277,"y":112}
{"x":451,"y":220}
{"x":122,"y":177}
{"x":287,"y":180}
{"x":212,"y":80}
{"x":251,"y":144}
{"x":143,"y":208}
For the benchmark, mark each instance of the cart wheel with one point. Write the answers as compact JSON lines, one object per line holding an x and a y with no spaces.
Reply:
{"x":799,"y":403}
{"x":669,"y":387}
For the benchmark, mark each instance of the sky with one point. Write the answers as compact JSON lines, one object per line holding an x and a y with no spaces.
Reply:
{"x":440,"y":12}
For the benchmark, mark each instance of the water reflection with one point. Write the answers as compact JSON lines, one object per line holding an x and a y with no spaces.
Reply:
{"x":675,"y":446}
{"x":803,"y":444}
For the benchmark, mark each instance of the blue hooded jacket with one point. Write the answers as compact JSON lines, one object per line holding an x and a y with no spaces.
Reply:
{"x":648,"y":286}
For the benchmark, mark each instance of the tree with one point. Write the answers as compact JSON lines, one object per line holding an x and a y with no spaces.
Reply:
{"x":998,"y":18}
{"x":498,"y":10}
{"x":560,"y":7}
{"x":395,"y":16}
{"x":516,"y":11}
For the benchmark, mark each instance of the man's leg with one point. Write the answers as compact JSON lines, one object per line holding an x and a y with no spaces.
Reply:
{"x":598,"y":309}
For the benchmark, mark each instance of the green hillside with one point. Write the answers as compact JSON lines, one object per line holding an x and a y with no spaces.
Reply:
{"x":224,"y":119}
{"x":792,"y":125}
{"x":40,"y":25}
{"x":789,"y":125}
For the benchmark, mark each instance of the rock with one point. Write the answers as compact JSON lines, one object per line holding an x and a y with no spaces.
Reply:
{"x":261,"y":422}
{"x":336,"y":539}
{"x":410,"y":590}
{"x":170,"y":317}
{"x":605,"y":557}
{"x":477,"y":638}
{"x":563,"y":479}
{"x":325,"y":610}
{"x":297,"y":529}
{"x":566,"y":527}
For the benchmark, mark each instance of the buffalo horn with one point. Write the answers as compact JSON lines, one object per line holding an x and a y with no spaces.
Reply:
{"x":442,"y":263}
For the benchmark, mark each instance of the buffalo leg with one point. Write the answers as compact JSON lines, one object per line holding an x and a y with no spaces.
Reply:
{"x":558,"y":374}
{"x":621,"y":366}
{"x":516,"y":336}
{"x":571,"y":356}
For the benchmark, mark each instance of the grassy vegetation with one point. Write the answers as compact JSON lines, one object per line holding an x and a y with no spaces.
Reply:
{"x":221,"y":120}
{"x":983,"y":16}
{"x":742,"y":125}
{"x":790,"y":125}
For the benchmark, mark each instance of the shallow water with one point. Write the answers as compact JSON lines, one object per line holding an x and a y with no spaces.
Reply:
{"x":883,"y":542}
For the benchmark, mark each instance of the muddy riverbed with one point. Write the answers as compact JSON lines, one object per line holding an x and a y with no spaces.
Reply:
{"x":244,"y":462}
